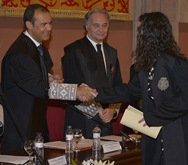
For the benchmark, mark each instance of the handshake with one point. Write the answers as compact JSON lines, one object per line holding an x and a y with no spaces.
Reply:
{"x":85,"y":93}
{"x":64,"y":91}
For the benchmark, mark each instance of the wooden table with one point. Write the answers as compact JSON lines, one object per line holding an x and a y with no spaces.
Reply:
{"x":131,"y":156}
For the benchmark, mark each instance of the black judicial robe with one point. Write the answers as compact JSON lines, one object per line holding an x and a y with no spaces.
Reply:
{"x":168,"y":109}
{"x":81,"y":64}
{"x":2,"y":104}
{"x":25,"y":91}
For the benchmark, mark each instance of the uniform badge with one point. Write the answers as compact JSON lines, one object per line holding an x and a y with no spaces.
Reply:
{"x":163,"y":84}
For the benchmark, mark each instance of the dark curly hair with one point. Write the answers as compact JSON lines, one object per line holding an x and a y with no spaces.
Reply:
{"x":154,"y":37}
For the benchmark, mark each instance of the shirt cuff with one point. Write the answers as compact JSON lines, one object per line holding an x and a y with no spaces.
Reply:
{"x":62,"y":91}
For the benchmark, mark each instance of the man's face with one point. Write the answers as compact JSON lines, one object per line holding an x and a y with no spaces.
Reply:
{"x":97,"y":27}
{"x":41,"y":29}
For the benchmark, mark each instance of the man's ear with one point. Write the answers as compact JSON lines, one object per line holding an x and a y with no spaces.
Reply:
{"x":29,"y":24}
{"x":86,"y":26}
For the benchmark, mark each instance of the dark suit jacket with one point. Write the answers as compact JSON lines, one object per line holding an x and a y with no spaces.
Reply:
{"x":81,"y":64}
{"x":25,"y":91}
{"x":2,"y":104}
{"x":168,"y":109}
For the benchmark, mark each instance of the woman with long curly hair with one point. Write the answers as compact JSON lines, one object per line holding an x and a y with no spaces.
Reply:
{"x":161,"y":82}
{"x":154,"y":37}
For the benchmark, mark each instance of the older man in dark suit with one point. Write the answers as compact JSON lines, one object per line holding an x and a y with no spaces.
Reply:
{"x":83,"y":61}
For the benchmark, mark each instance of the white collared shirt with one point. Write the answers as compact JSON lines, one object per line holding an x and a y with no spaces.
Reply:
{"x":35,"y":42}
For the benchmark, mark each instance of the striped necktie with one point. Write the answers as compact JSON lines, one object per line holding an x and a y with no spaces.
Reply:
{"x":43,"y":68}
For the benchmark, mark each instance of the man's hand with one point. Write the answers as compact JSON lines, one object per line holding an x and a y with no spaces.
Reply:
{"x":85,"y":93}
{"x":106,"y":114}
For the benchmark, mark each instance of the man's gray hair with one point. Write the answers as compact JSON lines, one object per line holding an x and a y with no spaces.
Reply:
{"x":88,"y":14}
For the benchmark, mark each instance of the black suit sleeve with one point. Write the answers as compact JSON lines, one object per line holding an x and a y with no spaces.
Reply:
{"x":124,"y":93}
{"x":25,"y":73}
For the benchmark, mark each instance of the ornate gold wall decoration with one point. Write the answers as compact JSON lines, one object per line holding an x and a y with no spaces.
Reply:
{"x":118,"y":9}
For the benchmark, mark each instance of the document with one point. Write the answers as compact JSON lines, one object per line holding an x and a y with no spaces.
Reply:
{"x":82,"y":144}
{"x":55,"y":145}
{"x":112,"y":138}
{"x":13,"y":159}
{"x":130,"y":119}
